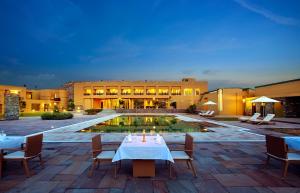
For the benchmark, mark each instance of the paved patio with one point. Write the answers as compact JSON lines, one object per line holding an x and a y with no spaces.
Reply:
{"x":221,"y":167}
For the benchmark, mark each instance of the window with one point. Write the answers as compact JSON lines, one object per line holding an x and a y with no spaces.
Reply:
{"x":87,"y":91}
{"x":35,"y":107}
{"x":151,"y":91}
{"x":188,"y":92}
{"x":126,"y":91}
{"x":175,"y":91}
{"x":14,"y":91}
{"x":197,"y":91}
{"x":98,"y":92}
{"x":112,"y":91}
{"x":138,"y":91}
{"x":163,"y":91}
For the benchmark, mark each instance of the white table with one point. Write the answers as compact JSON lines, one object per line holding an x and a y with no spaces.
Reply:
{"x":143,"y":154}
{"x":293,"y":142}
{"x":11,"y":142}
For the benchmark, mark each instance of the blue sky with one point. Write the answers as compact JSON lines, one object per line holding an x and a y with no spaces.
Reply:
{"x":230,"y":43}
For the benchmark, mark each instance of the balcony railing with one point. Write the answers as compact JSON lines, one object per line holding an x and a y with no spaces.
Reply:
{"x":86,"y":94}
{"x":112,"y":93}
{"x":56,"y":99}
{"x":98,"y":93}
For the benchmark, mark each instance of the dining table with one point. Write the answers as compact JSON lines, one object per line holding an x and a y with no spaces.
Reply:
{"x":9,"y":143}
{"x":143,"y":151}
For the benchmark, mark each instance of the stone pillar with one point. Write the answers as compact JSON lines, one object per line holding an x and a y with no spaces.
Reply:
{"x":11,"y":107}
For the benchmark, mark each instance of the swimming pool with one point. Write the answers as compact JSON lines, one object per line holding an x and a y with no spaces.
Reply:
{"x":153,"y":123}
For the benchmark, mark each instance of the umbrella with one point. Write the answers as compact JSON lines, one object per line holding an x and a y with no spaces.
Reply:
{"x":263,"y":100}
{"x":209,"y":103}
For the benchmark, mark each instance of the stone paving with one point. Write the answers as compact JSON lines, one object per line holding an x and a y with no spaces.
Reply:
{"x":221,"y":167}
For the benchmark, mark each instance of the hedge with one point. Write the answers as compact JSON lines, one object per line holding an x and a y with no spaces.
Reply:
{"x":93,"y":111}
{"x":56,"y":116}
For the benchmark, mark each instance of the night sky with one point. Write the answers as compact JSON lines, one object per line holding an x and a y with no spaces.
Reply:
{"x":230,"y":43}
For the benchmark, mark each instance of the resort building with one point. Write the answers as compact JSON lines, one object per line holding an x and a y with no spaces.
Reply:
{"x":136,"y":94}
{"x":35,"y":100}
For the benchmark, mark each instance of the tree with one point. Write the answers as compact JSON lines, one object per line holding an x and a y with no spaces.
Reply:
{"x":71,"y":105}
{"x":192,"y":109}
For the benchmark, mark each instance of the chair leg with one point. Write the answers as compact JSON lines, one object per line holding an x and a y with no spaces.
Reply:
{"x":267,"y":160}
{"x":41,"y":161}
{"x":26,"y":168}
{"x":1,"y":166}
{"x":92,"y":168}
{"x":98,"y":164}
{"x":187,"y":163}
{"x":285,"y":169}
{"x":194,"y":171}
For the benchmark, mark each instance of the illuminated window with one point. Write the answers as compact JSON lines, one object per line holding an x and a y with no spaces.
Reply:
{"x":188,"y":92}
{"x":163,"y":91}
{"x":151,"y":91}
{"x":87,"y":91}
{"x":98,"y":92}
{"x":197,"y":91}
{"x":175,"y":91}
{"x":126,"y":91}
{"x":112,"y":91}
{"x":138,"y":91}
{"x":14,"y":91}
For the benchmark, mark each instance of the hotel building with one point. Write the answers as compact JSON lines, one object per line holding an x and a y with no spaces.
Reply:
{"x":136,"y":94}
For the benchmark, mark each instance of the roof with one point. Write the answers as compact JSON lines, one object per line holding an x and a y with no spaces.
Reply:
{"x":283,"y":82}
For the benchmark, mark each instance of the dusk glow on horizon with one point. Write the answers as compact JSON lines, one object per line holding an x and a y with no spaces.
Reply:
{"x":234,"y":43}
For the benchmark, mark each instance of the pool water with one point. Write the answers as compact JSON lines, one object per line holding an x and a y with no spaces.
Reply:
{"x":136,"y":124}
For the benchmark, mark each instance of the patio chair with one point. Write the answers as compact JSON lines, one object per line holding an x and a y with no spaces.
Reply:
{"x":32,"y":149}
{"x":203,"y":113}
{"x":245,"y":119}
{"x":185,"y":154}
{"x":210,"y":114}
{"x":101,"y":155}
{"x":266,"y":120}
{"x":277,"y":149}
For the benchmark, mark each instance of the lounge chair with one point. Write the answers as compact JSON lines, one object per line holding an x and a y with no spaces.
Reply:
{"x":32,"y":149}
{"x":210,"y":114}
{"x":245,"y":119}
{"x":101,"y":155}
{"x":277,"y":149}
{"x":203,"y":113}
{"x":266,"y":120}
{"x":185,"y":154}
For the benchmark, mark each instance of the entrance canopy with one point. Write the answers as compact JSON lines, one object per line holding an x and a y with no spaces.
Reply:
{"x":209,"y":103}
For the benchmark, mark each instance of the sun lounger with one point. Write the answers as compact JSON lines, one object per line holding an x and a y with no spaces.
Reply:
{"x":245,"y":119}
{"x":210,"y":114}
{"x":203,"y":113}
{"x":266,"y":120}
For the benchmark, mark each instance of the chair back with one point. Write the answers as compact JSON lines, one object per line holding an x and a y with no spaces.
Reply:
{"x":33,"y":145}
{"x":96,"y":145}
{"x":269,"y":117}
{"x":276,"y":146}
{"x":254,"y":117}
{"x":189,"y":145}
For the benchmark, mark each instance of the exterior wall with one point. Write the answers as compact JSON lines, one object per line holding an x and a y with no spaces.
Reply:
{"x":85,"y":93}
{"x":229,"y":101}
{"x":285,"y":89}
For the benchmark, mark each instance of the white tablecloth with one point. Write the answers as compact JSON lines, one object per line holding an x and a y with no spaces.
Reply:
{"x":293,"y":142}
{"x":149,"y":150}
{"x":11,"y":142}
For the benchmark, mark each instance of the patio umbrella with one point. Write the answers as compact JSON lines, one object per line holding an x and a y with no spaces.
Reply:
{"x":263,"y":100}
{"x":209,"y":103}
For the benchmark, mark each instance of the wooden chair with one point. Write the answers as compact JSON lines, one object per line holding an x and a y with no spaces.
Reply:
{"x":277,"y":149}
{"x":101,"y":155}
{"x":32,"y":149}
{"x":185,"y":154}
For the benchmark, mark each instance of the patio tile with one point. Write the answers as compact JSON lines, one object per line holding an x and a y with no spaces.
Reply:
{"x":210,"y":186}
{"x":76,"y":168}
{"x":181,"y":186}
{"x":235,"y":180}
{"x":109,"y":182}
{"x":242,"y":190}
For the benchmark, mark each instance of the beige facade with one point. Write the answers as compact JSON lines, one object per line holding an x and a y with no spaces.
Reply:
{"x":35,"y":100}
{"x":136,"y":94}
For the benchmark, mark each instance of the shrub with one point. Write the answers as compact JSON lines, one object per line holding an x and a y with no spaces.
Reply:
{"x":93,"y":111}
{"x":56,"y":116}
{"x":192,"y":109}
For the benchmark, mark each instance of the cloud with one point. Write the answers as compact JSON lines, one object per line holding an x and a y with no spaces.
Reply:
{"x":209,"y":72}
{"x":268,"y":14}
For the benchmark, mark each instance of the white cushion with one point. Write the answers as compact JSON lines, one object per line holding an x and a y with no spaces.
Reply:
{"x":15,"y":155}
{"x":294,"y":156}
{"x":179,"y":155}
{"x":106,"y":155}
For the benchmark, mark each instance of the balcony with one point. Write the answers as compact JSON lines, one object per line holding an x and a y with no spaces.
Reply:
{"x":57,"y":99}
{"x":86,"y":94}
